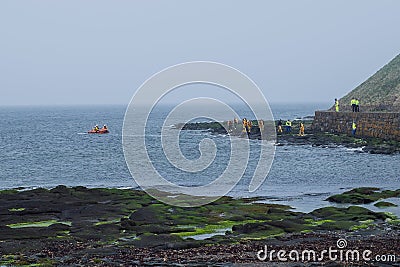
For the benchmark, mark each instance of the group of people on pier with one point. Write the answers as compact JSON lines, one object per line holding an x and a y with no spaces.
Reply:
{"x":288,"y":127}
{"x":355,"y":105}
{"x":247,"y":125}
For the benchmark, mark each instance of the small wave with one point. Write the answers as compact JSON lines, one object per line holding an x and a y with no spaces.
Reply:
{"x":355,"y":149}
{"x":317,"y":194}
{"x":142,"y":135}
{"x":126,"y":187}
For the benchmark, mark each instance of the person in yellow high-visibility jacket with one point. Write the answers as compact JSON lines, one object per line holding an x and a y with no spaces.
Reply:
{"x":353,"y":128}
{"x":353,"y":104}
{"x":357,"y":103}
{"x":301,"y":129}
{"x":246,"y":127}
{"x":288,"y":126}
{"x":244,"y":122}
{"x":336,"y":105}
{"x":280,"y":126}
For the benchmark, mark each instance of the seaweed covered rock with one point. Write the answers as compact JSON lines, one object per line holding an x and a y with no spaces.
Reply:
{"x":117,"y":219}
{"x":352,"y":213}
{"x":149,"y":214}
{"x":257,"y":230}
{"x":384,"y":204}
{"x":363,"y":195}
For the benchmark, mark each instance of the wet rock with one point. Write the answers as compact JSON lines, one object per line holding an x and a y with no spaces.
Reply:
{"x":352,"y":214}
{"x":111,"y":227}
{"x":61,"y":189}
{"x":59,"y":227}
{"x":149,"y":214}
{"x":7,"y":233}
{"x":103,"y":232}
{"x":290,"y":225}
{"x":152,"y":228}
{"x":250,"y":228}
{"x":381,"y":149}
{"x":154,"y":240}
{"x":363,"y":195}
{"x":384,"y":204}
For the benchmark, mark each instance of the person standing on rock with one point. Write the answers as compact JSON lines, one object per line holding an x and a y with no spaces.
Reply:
{"x":288,"y":126}
{"x":353,"y":128}
{"x":261,"y":126}
{"x":280,"y":126}
{"x":301,"y":129}
{"x":245,"y":129}
{"x":235,"y":122}
{"x":357,"y":103}
{"x":229,"y":126}
{"x":353,"y":104}
{"x":336,"y":105}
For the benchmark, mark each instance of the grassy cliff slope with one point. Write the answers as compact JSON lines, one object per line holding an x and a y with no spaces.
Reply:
{"x":380,"y":92}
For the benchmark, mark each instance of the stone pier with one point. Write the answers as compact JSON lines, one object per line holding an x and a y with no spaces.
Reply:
{"x":384,"y":125}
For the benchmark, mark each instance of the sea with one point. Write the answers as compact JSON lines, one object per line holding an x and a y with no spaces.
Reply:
{"x":49,"y":145}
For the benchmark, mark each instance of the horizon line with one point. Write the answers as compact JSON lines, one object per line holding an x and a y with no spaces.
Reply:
{"x":162,"y":104}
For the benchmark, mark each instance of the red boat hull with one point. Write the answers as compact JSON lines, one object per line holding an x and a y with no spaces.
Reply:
{"x":98,"y":132}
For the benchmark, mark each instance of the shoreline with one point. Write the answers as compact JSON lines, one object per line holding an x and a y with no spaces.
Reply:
{"x":105,"y":227}
{"x":263,"y":199}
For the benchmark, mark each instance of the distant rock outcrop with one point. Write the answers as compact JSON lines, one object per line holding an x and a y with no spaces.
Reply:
{"x":380,"y":92}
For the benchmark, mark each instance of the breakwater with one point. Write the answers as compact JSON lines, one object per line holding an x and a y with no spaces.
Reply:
{"x":383,"y":125}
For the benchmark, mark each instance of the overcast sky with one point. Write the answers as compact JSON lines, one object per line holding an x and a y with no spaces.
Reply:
{"x":97,"y":52}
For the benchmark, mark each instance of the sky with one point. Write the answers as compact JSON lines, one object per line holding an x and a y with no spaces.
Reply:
{"x":99,"y":52}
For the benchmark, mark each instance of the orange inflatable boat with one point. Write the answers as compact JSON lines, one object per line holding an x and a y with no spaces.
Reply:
{"x":101,"y":131}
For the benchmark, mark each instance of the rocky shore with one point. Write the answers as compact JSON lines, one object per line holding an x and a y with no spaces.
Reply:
{"x":311,"y":137}
{"x":121,"y":227}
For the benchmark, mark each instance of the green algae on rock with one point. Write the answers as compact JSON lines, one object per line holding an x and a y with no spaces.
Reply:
{"x":363,"y":195}
{"x":132,"y":218}
{"x":36,"y":224}
{"x":112,"y":219}
{"x":384,"y":204}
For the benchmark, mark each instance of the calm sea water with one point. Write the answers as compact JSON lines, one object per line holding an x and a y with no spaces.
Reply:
{"x":48,"y":146}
